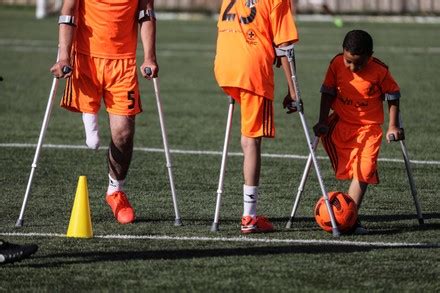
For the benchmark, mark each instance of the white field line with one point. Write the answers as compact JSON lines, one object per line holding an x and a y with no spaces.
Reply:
{"x":201,"y":152}
{"x":243,"y":239}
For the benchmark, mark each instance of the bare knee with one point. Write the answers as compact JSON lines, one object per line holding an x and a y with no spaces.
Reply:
{"x":122,"y":130}
{"x":250,"y":143}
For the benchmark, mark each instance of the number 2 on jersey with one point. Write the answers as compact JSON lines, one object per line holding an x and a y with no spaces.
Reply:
{"x":227,"y":16}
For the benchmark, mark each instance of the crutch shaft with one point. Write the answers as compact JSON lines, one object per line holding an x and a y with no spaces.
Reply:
{"x":178,"y":221}
{"x":302,"y":184}
{"x":411,"y":181}
{"x":215,"y":224}
{"x":47,"y":113}
{"x":412,"y":184}
{"x":335,"y":230}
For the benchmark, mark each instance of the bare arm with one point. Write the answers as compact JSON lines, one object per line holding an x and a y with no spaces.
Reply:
{"x":288,"y":72}
{"x":321,"y":128}
{"x":65,"y":40}
{"x":148,"y":38}
{"x":394,"y":123}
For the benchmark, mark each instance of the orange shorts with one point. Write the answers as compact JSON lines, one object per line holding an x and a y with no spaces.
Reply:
{"x":256,"y":113}
{"x":93,"y":79}
{"x":353,"y":149}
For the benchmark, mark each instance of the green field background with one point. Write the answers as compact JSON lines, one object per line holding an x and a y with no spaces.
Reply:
{"x":195,"y":113}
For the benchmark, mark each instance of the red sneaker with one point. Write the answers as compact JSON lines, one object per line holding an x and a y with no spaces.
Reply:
{"x":258,"y":224}
{"x":120,"y":206}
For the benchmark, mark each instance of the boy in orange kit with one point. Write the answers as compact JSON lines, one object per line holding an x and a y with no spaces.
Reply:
{"x":248,"y":31}
{"x":98,"y":41}
{"x":354,"y":87}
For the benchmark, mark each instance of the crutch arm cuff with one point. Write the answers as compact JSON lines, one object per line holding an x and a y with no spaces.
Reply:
{"x":146,"y":15}
{"x":392,"y":96}
{"x":67,"y":19}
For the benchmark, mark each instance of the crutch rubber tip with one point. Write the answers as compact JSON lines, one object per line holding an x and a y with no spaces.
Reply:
{"x":19,"y":223}
{"x":178,"y":222}
{"x":289,"y":224}
{"x":421,"y":222}
{"x":214,"y":227}
{"x":336,"y":233}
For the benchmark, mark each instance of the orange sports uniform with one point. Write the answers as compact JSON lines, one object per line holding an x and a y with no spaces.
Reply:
{"x":355,"y":133}
{"x":247,"y":33}
{"x":104,"y":63}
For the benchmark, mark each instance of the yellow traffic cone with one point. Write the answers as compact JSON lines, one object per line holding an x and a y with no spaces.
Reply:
{"x":80,"y":225}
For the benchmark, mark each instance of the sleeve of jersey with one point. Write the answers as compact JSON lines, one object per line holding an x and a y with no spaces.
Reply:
{"x":282,"y":24}
{"x":329,"y":84}
{"x":390,"y":88}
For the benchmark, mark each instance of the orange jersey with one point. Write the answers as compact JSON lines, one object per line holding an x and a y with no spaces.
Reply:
{"x":107,"y":28}
{"x":247,"y":33}
{"x":359,"y":95}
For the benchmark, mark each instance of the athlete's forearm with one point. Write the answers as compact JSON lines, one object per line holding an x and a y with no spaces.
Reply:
{"x":66,"y":31}
{"x":393,"y":109}
{"x":324,"y":110}
{"x":148,"y":32}
{"x":287,"y":72}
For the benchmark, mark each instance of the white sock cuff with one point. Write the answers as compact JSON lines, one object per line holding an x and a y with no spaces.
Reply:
{"x":250,"y":198}
{"x":114,"y":185}
{"x":247,"y":189}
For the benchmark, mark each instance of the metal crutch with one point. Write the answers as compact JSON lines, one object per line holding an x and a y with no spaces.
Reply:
{"x":178,"y":221}
{"x":52,"y":94}
{"x":290,"y":54}
{"x":215,"y":224}
{"x":409,"y":172}
{"x":302,"y":184}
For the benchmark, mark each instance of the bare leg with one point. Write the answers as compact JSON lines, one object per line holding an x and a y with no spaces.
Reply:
{"x":357,"y":190}
{"x":252,"y":160}
{"x":121,"y":146}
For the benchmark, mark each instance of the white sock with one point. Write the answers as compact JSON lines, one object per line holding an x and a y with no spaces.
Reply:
{"x":114,"y":185}
{"x":91,"y":128}
{"x":250,"y":198}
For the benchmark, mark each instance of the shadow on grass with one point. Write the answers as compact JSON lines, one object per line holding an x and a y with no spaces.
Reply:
{"x":60,"y":259}
{"x":71,"y":258}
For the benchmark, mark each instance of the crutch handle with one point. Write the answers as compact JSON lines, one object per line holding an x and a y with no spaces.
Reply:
{"x":66,"y":69}
{"x":148,"y":71}
{"x":392,"y":137}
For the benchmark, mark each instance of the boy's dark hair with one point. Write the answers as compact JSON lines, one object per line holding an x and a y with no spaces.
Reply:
{"x":358,"y":42}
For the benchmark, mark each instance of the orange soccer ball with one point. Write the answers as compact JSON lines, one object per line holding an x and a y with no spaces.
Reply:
{"x":344,"y":209}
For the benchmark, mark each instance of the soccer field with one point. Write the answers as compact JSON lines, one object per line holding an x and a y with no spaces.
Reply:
{"x":152,"y":255}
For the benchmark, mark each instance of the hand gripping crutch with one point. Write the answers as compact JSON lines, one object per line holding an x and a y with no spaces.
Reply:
{"x":52,"y":94}
{"x":178,"y":221}
{"x":412,"y":185}
{"x":302,"y":184}
{"x":215,"y":224}
{"x":288,"y":52}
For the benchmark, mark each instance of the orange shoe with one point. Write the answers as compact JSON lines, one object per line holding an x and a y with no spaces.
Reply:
{"x":258,"y":224}
{"x":120,"y":206}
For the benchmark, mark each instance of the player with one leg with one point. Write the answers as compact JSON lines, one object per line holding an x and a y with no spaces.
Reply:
{"x":354,"y":87}
{"x":247,"y":33}
{"x":98,"y":40}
